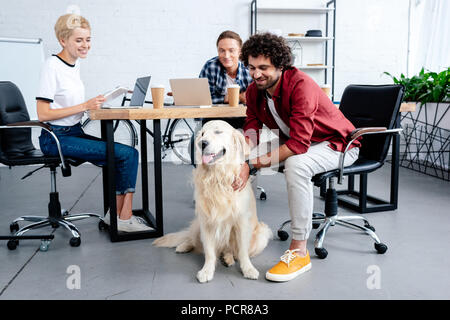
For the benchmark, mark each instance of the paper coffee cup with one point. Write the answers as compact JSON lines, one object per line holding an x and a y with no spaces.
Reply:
{"x":233,"y":95}
{"x":158,"y":96}
{"x":326,"y":89}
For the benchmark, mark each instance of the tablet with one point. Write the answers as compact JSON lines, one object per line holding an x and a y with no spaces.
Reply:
{"x":113,"y":94}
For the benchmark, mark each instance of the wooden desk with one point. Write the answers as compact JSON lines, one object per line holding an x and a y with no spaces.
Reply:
{"x":167,"y":113}
{"x":106,"y":116}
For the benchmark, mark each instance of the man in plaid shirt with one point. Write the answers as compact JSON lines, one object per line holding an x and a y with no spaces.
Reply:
{"x":226,"y":69}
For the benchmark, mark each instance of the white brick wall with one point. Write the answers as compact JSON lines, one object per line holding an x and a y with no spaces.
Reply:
{"x":132,"y":38}
{"x":371,"y":37}
{"x":174,"y":38}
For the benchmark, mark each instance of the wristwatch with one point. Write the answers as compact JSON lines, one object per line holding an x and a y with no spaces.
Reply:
{"x":253,"y":170}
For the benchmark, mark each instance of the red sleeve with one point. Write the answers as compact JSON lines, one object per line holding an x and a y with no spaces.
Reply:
{"x":252,"y":124}
{"x":304,"y":105}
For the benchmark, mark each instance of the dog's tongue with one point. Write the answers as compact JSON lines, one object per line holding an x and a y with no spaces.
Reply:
{"x":207,"y":158}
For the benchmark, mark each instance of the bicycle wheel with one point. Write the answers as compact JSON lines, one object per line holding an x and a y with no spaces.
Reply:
{"x":181,"y":132}
{"x":124,"y":131}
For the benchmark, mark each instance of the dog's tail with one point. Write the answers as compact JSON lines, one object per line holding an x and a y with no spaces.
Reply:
{"x":172,"y":240}
{"x":261,"y":236}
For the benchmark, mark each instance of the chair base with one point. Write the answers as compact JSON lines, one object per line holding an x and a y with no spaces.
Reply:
{"x":64,"y":220}
{"x":327,"y":222}
{"x":57,"y":217}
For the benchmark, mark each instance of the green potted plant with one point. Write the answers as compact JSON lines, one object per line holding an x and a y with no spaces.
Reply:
{"x":426,"y":129}
{"x":425,"y":87}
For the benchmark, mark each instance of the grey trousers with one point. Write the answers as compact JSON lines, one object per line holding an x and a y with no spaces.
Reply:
{"x":298,"y":171}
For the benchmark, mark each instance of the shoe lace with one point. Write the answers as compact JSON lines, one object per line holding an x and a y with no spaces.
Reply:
{"x":288,"y":256}
{"x":140,"y":220}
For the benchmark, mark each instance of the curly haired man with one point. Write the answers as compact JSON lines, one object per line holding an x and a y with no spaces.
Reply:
{"x":311,"y":130}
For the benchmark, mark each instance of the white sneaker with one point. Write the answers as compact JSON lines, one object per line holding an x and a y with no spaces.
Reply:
{"x":133,"y":224}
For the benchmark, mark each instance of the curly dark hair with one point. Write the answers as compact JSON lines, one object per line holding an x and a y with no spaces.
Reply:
{"x":269,"y":45}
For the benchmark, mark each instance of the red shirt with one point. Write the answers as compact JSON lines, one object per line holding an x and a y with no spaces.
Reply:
{"x":304,"y":108}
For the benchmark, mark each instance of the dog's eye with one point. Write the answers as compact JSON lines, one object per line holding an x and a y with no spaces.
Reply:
{"x":217,"y":132}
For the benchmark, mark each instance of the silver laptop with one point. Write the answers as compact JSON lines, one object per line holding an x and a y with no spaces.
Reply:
{"x":191,"y":92}
{"x":138,"y":97}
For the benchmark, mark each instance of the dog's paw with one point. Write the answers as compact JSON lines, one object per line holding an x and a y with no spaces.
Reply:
{"x":227,"y":259}
{"x":205,"y":275}
{"x":183,"y":248}
{"x":250,"y":272}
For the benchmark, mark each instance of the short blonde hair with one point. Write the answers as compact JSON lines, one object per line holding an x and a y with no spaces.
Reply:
{"x":67,"y":23}
{"x":229,"y":35}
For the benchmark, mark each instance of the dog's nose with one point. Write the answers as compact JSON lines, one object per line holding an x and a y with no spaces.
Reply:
{"x":204,"y":144}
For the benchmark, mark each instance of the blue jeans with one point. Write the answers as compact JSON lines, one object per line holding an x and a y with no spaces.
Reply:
{"x":78,"y":145}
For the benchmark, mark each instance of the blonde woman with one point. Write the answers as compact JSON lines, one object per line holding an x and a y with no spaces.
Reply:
{"x":61,"y":103}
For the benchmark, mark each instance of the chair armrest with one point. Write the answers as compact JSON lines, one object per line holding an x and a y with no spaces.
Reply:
{"x":361,"y":131}
{"x":357,"y":133}
{"x":30,"y":124}
{"x":38,"y":124}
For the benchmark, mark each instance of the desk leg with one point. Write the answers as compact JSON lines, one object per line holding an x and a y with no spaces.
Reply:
{"x":395,"y":165}
{"x":109,"y":179}
{"x":144,"y":166}
{"x":158,"y":175}
{"x":104,"y":172}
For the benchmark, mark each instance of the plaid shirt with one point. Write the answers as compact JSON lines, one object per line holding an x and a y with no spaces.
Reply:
{"x":216,"y":75}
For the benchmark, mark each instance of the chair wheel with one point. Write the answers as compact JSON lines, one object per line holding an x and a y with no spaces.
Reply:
{"x":44,"y":245}
{"x":13,"y":227}
{"x":322,"y":253}
{"x":263,"y":196}
{"x":75,"y":242}
{"x":381,"y":248}
{"x":283,"y":235}
{"x":102,"y":225}
{"x":12,"y":244}
{"x":316,"y":215}
{"x":368,"y":226}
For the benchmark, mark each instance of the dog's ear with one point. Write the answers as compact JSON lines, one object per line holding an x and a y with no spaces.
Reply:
{"x":242,"y":146}
{"x":197,"y":149}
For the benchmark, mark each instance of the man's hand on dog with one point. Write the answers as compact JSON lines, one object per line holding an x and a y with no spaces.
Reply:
{"x":239,"y":184}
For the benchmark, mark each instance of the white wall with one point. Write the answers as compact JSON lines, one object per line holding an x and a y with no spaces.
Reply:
{"x":371,"y":37}
{"x":133,"y":38}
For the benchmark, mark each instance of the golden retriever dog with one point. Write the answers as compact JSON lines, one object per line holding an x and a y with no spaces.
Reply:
{"x":225,"y":223}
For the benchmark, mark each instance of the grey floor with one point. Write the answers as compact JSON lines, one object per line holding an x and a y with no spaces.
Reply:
{"x":414,"y":267}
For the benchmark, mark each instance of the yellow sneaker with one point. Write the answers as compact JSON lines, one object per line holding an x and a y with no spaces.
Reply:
{"x":290,"y":266}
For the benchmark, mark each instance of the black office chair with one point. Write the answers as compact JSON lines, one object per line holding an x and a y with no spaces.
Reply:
{"x":373,"y":111}
{"x":17,"y":149}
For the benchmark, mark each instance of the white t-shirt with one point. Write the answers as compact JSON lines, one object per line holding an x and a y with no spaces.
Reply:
{"x":230,"y":81}
{"x":62,"y":87}
{"x":283,"y":126}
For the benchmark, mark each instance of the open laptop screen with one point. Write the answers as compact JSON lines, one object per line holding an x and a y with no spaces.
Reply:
{"x":140,"y":91}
